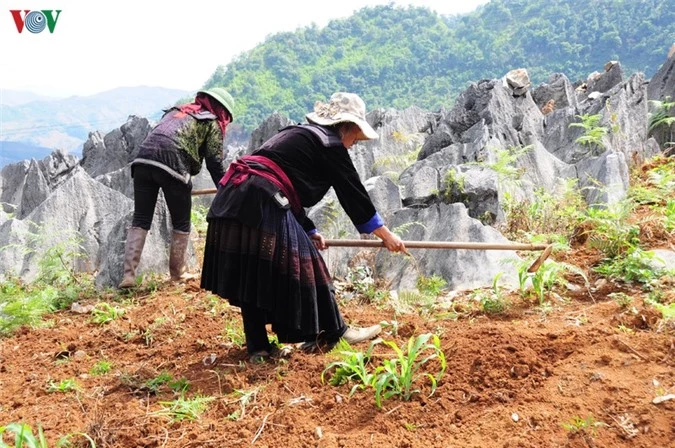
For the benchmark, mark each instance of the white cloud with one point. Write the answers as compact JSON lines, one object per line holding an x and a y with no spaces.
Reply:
{"x":99,"y":45}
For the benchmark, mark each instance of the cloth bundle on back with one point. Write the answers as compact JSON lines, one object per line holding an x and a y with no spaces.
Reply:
{"x":171,"y":154}
{"x":262,"y":251}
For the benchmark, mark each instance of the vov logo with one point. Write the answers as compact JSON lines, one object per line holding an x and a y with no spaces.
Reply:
{"x":35,"y":21}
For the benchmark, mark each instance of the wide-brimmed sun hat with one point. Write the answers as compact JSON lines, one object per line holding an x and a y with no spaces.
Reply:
{"x":222,"y":96}
{"x":343,"y":107}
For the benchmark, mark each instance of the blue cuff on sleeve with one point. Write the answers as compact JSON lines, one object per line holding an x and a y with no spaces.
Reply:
{"x":373,"y":223}
{"x":312,"y":232}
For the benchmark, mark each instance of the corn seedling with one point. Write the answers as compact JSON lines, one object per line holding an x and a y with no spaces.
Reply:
{"x":101,"y":367}
{"x":549,"y":274}
{"x":399,"y":376}
{"x":184,"y":408}
{"x":586,"y":425}
{"x":351,"y":366}
{"x":23,"y":436}
{"x":63,"y":386}
{"x":492,"y":301}
{"x":104,"y":312}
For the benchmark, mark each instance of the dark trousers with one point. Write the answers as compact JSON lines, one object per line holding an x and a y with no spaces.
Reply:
{"x":147,"y":182}
{"x":256,"y":333}
{"x":254,"y":328}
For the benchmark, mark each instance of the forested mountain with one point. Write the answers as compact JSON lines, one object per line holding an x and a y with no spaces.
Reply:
{"x":395,"y":56}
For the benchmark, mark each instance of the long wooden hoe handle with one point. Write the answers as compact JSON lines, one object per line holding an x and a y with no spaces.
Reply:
{"x":435,"y":244}
{"x":546,"y":248}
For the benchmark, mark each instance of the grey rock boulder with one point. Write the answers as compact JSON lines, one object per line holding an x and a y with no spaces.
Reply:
{"x":272,"y":125}
{"x":36,"y":190}
{"x":462,"y":269}
{"x":102,"y":154}
{"x":384,"y":193}
{"x":557,"y":91}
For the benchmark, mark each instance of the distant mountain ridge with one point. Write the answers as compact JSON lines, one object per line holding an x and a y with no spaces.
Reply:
{"x":66,"y":123}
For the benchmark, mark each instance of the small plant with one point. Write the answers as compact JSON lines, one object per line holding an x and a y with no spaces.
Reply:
{"x":399,"y":376}
{"x":198,"y":218}
{"x":661,"y":118}
{"x":586,"y":425}
{"x":351,"y":366}
{"x":622,"y":299}
{"x":101,"y":367}
{"x":104,"y":312}
{"x":395,"y":164}
{"x":154,"y":384}
{"x":184,"y":408}
{"x":244,"y":398}
{"x":505,"y":164}
{"x":635,"y":266}
{"x":431,"y":286}
{"x":234,"y":331}
{"x":667,"y":311}
{"x":492,"y":302}
{"x":612,"y":233}
{"x":63,"y":386}
{"x":594,"y":134}
{"x":549,"y":274}
{"x":23,"y":435}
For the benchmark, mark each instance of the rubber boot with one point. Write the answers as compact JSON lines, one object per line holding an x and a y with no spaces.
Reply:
{"x":179,"y":244}
{"x":132,"y":255}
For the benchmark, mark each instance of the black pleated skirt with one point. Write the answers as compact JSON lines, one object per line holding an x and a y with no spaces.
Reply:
{"x":275,"y":268}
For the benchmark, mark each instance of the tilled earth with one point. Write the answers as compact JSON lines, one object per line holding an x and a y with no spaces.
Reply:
{"x":579,"y":373}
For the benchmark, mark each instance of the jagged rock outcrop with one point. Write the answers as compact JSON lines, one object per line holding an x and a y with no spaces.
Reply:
{"x":27,"y":183}
{"x":79,"y":209}
{"x":662,"y":84}
{"x":272,"y":124}
{"x":557,"y":93}
{"x":102,"y":154}
{"x":500,"y":139}
{"x":662,"y":88}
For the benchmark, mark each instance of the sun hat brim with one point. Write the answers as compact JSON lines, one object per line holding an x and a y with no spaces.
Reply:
{"x":367,"y":132}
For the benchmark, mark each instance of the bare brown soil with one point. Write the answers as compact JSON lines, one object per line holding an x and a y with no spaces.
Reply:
{"x":513,"y":379}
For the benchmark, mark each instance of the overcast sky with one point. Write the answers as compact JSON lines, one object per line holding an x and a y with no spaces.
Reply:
{"x":98,"y":45}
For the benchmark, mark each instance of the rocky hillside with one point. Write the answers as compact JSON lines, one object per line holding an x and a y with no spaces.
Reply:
{"x":452,"y":175}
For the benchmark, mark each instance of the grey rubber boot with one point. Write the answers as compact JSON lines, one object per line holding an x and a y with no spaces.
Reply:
{"x":179,"y":244}
{"x":132,"y":255}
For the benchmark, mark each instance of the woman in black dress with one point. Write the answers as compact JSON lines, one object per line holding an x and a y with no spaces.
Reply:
{"x":262,"y":251}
